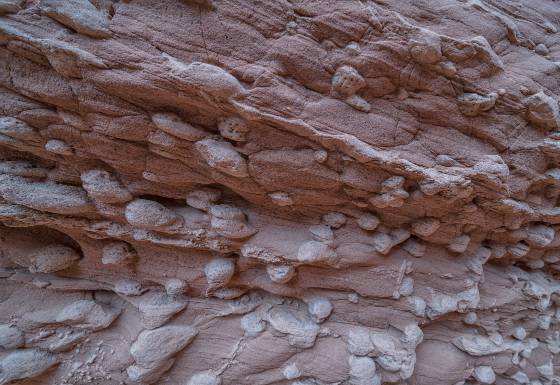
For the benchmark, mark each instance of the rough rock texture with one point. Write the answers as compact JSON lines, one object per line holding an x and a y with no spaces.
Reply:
{"x":304,"y":192}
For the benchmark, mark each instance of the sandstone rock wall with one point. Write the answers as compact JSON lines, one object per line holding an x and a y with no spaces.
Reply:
{"x":304,"y":192}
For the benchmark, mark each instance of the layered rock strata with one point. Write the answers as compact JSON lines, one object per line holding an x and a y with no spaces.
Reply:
{"x":304,"y":192}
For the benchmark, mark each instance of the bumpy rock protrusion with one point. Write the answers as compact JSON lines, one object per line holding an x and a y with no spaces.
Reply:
{"x":219,"y":271}
{"x":363,"y":371}
{"x":518,"y":250}
{"x":11,"y":337}
{"x":281,"y":198}
{"x":211,"y":80}
{"x":425,"y":47}
{"x":128,"y":288}
{"x":153,"y":350}
{"x":392,"y":193}
{"x":157,"y":310}
{"x":395,"y":355}
{"x":345,"y":83}
{"x":10,"y":6}
{"x":425,"y":227}
{"x":151,"y":215}
{"x":141,"y":375}
{"x":253,"y":324}
{"x":382,"y":243}
{"x":172,"y":124}
{"x":118,"y":253}
{"x":472,"y":104}
{"x":334,"y":219}
{"x":176,"y":287}
{"x":311,"y":252}
{"x":104,"y":187}
{"x":484,"y":374}
{"x":230,"y":222}
{"x":227,"y":292}
{"x":87,"y":314}
{"x":540,"y":235}
{"x":414,"y":247}
{"x":519,"y":333}
{"x":543,"y":111}
{"x":320,"y":308}
{"x":17,"y":129}
{"x":223,"y":157}
{"x":280,"y":273}
{"x":291,"y":371}
{"x":322,"y":233}
{"x":203,"y":199}
{"x":205,"y":378}
{"x":80,"y":15}
{"x":45,"y":196}
{"x":477,"y":346}
{"x":368,"y":222}
{"x":52,"y":258}
{"x":59,"y":147}
{"x":296,"y":324}
{"x":22,"y":168}
{"x":233,"y":128}
{"x":459,"y":243}
{"x":24,"y":364}
{"x":320,"y":156}
{"x":491,"y":167}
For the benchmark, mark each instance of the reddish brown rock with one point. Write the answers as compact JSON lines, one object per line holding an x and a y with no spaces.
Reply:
{"x":303,"y":192}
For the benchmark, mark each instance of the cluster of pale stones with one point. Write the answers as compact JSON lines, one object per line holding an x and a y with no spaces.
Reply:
{"x":136,"y":239}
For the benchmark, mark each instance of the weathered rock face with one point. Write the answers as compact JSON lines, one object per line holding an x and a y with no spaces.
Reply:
{"x":304,"y":192}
